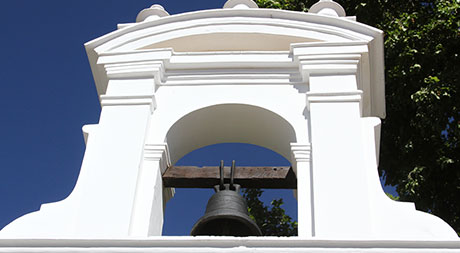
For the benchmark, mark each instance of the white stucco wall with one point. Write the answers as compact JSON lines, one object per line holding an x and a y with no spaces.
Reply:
{"x":314,"y":93}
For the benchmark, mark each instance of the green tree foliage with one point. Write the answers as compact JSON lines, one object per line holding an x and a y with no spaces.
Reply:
{"x":392,"y":197}
{"x":420,"y":151}
{"x":420,"y":148}
{"x":271,"y":221}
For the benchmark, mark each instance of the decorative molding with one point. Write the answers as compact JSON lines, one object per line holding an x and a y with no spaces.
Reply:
{"x":140,"y":37}
{"x":242,"y":77}
{"x":226,"y":244}
{"x":135,"y":64}
{"x":135,"y":56}
{"x":114,"y":100}
{"x":335,"y":97}
{"x":294,"y":67}
{"x":240,"y":4}
{"x":87,"y":129}
{"x":319,"y":67}
{"x":279,"y":19}
{"x":178,"y":69}
{"x":301,"y":152}
{"x":327,"y":8}
{"x":323,"y":48}
{"x":158,"y":152}
{"x":155,"y":11}
{"x":329,"y":57}
{"x":143,"y":69}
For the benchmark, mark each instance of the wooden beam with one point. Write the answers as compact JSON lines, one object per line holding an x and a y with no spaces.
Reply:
{"x":247,"y":177}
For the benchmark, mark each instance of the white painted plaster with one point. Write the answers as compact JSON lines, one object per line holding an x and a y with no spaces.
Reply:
{"x":227,"y":244}
{"x":328,"y":8}
{"x":301,"y":160}
{"x":313,"y":93}
{"x":240,"y":4}
{"x":156,"y":11}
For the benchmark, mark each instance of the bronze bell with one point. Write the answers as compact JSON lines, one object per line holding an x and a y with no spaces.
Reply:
{"x":226,"y":212}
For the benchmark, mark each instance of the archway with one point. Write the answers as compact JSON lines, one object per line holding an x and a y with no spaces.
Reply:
{"x":238,"y":126}
{"x":195,"y":200}
{"x":225,"y":123}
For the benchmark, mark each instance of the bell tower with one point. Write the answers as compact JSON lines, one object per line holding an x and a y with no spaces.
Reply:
{"x":309,"y":86}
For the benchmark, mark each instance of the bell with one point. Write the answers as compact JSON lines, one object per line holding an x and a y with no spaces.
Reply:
{"x":226,"y":212}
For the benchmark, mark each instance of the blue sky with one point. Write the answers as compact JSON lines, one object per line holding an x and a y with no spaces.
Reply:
{"x":48,"y":93}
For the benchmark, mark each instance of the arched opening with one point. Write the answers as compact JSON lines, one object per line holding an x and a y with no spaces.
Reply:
{"x":188,"y":205}
{"x":227,"y":123}
{"x":251,"y":135}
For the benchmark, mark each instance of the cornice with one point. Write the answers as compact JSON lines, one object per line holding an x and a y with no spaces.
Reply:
{"x":159,"y":153}
{"x":169,"y":68}
{"x":314,"y":27}
{"x":329,"y":57}
{"x":278,"y":18}
{"x":120,"y":100}
{"x":326,"y":97}
{"x":301,"y":152}
{"x":224,"y":244}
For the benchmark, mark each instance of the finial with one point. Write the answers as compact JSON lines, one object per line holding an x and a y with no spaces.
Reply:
{"x":240,"y":4}
{"x":155,"y":11}
{"x":328,"y":8}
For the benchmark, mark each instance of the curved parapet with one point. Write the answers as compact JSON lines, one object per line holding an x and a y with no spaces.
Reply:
{"x":309,"y":86}
{"x":239,"y":30}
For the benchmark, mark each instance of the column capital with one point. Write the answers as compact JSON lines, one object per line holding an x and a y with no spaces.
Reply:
{"x":158,"y":152}
{"x":301,"y":152}
{"x":117,"y":100}
{"x":144,"y":64}
{"x":341,"y":96}
{"x":329,"y":58}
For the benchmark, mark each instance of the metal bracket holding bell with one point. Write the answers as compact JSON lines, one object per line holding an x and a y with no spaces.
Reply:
{"x":222,"y":186}
{"x":226,"y":212}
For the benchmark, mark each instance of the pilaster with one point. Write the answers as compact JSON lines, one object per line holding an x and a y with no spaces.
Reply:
{"x":110,"y":168}
{"x":301,"y":162}
{"x":341,"y":202}
{"x":338,"y":68}
{"x":151,"y":197}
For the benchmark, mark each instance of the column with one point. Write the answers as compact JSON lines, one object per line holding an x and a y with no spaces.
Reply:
{"x":147,"y":219}
{"x":341,"y":200}
{"x":111,"y":164}
{"x":301,"y":163}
